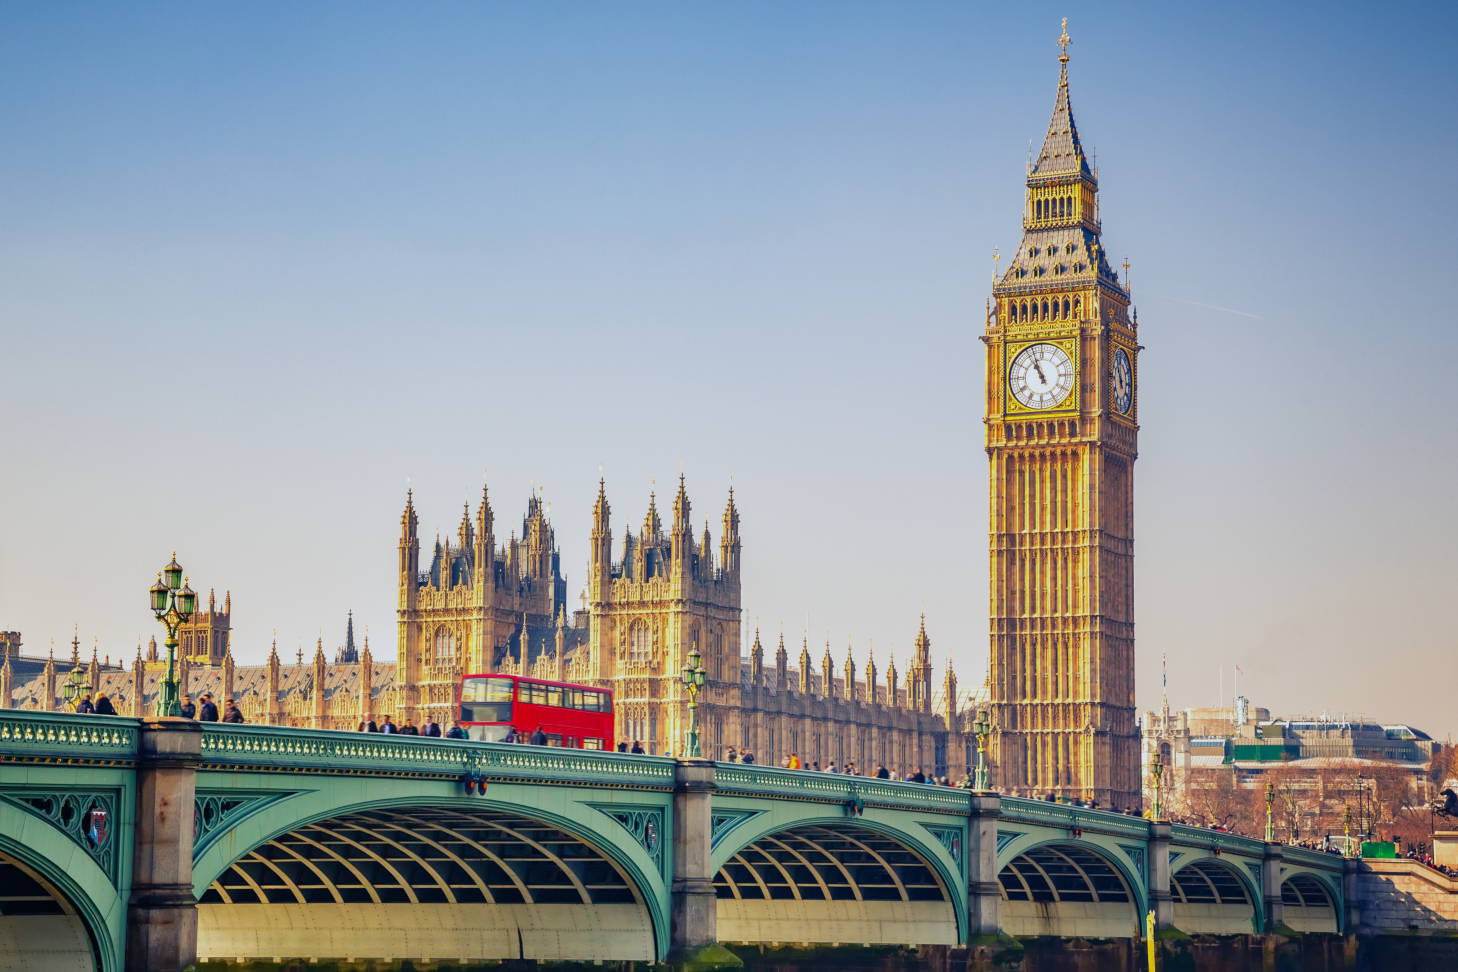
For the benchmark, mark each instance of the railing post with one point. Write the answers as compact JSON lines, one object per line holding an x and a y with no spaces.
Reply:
{"x":1351,"y":896}
{"x":162,"y":912}
{"x":1161,"y":902}
{"x":695,"y":908}
{"x":983,"y":892}
{"x":1273,"y":912}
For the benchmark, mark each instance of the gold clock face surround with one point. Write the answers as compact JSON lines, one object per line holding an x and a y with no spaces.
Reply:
{"x":1040,"y":376}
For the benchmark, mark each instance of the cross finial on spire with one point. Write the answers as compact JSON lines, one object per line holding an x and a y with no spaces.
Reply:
{"x":1063,"y":43}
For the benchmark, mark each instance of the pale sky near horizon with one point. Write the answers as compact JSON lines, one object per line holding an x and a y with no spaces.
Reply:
{"x":262,"y":264}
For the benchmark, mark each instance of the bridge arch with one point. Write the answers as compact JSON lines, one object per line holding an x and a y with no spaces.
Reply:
{"x":452,"y":878}
{"x":1212,"y":897}
{"x":837,"y":880}
{"x":1308,"y":904}
{"x":1070,"y":889}
{"x":58,"y":908}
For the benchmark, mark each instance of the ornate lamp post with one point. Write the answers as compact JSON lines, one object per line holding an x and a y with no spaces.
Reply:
{"x":1156,"y":770}
{"x":74,"y":687}
{"x":982,"y":726}
{"x":173,"y":602}
{"x":1270,"y":812}
{"x":1347,"y":830}
{"x":693,"y":682}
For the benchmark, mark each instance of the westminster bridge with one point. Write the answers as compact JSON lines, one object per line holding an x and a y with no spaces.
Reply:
{"x":151,"y":844}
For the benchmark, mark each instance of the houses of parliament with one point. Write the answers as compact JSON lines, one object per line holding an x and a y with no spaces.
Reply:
{"x":1061,"y":426}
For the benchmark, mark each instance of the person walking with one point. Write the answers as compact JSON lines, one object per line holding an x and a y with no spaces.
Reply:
{"x":388,"y":726}
{"x":432,"y":729}
{"x":456,"y":732}
{"x":208,"y":712}
{"x":732,"y":756}
{"x":882,"y":773}
{"x":795,"y":761}
{"x":188,"y":707}
{"x":745,"y":756}
{"x":637,"y":749}
{"x":539,"y":738}
{"x":408,"y":729}
{"x":368,"y":724}
{"x":622,"y":747}
{"x":85,"y":707}
{"x":231,"y":713}
{"x":103,"y":705}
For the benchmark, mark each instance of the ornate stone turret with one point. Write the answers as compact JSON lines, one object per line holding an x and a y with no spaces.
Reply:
{"x":366,"y":680}
{"x":893,"y":687}
{"x":729,"y":544}
{"x":805,"y":667}
{"x":228,"y":672}
{"x":273,"y":702}
{"x":827,"y":674}
{"x":850,"y":673}
{"x":756,"y":662}
{"x":48,"y":680}
{"x":139,"y":684}
{"x":7,"y":684}
{"x":871,"y":690}
{"x":782,"y":666}
{"x":920,"y":676}
{"x":321,"y":674}
{"x":348,"y":654}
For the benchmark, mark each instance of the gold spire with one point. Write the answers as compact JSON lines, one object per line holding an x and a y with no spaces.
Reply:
{"x":1063,"y":43}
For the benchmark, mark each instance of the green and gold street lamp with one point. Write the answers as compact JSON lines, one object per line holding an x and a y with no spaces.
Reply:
{"x":1347,"y":830}
{"x":74,"y":687}
{"x":982,"y":727}
{"x":1270,"y":812}
{"x":693,"y":682}
{"x":1156,"y":770}
{"x":173,"y":602}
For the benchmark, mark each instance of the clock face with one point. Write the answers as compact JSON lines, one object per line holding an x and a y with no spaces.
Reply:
{"x":1041,"y":375}
{"x":1121,"y":376}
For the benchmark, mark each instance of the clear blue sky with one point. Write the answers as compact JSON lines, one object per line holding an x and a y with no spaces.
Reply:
{"x":260,"y":263}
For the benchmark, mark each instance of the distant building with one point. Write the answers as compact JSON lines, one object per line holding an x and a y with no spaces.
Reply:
{"x":1242,"y":748}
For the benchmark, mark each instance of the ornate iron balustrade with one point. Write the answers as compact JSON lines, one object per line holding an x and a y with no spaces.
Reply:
{"x":1044,"y":813}
{"x":67,"y":736}
{"x":1185,"y":835}
{"x":322,"y":750}
{"x":807,"y":784}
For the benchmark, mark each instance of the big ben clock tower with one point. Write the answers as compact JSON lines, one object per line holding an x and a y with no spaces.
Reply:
{"x":1062,"y":424}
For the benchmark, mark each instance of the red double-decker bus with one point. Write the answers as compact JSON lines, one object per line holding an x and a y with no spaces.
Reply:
{"x":495,"y":708}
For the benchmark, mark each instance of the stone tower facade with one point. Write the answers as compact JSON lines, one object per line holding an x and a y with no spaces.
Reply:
{"x":478,"y":607}
{"x":1062,"y":424}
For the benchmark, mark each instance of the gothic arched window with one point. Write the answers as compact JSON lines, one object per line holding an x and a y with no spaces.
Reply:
{"x":443,"y":647}
{"x":640,"y":643}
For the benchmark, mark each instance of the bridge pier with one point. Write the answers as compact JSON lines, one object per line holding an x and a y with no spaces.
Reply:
{"x":984,"y":893}
{"x":1161,"y":902}
{"x":162,"y":912}
{"x":1275,"y":913}
{"x":694,"y":907}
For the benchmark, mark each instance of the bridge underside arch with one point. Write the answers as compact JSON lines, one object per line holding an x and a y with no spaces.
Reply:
{"x":432,"y":883}
{"x":1068,"y":891}
{"x":1307,"y":905}
{"x":832,"y":883}
{"x":40,"y":929}
{"x":1210,"y":898}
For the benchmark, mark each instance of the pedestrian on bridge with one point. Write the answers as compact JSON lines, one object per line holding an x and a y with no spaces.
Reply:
{"x":188,"y":709}
{"x":84,"y":706}
{"x":388,"y":726}
{"x":231,"y":712}
{"x":432,"y":729}
{"x":209,"y":710}
{"x":456,"y":732}
{"x":368,"y":724}
{"x":103,"y":705}
{"x":539,"y":738}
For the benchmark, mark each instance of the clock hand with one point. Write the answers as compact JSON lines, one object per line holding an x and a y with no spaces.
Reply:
{"x":1039,"y":368}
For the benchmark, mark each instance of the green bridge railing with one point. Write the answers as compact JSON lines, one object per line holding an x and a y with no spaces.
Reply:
{"x":63,"y":736}
{"x":771,"y":781}
{"x":321,"y":750}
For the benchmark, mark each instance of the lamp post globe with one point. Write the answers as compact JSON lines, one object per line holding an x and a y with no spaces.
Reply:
{"x":694,"y":678}
{"x":173,"y":602}
{"x":74,"y":687}
{"x":982,"y":727}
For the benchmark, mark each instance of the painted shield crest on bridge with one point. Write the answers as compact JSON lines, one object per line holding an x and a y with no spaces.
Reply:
{"x":97,"y":825}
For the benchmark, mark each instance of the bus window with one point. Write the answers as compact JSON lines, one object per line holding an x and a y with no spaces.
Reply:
{"x":554,"y":739}
{"x":592,"y":744}
{"x":486,"y":700}
{"x":488,"y":733}
{"x":554,"y":695}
